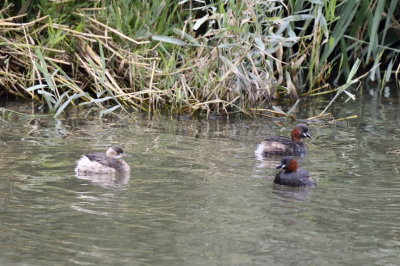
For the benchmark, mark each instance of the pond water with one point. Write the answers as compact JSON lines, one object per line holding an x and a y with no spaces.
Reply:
{"x":197,"y":195}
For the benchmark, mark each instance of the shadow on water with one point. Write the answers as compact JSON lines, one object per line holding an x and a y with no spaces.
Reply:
{"x":197,"y":195}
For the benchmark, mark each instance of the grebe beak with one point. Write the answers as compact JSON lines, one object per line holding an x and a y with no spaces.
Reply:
{"x":307,"y":135}
{"x":280,"y":166}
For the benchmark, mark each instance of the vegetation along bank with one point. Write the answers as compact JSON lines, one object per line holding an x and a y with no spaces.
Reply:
{"x":216,"y":57}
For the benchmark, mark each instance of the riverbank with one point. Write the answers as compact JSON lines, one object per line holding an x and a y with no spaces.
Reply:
{"x":176,"y":57}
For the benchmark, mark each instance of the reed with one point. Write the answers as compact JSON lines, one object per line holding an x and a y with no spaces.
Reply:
{"x":149,"y":55}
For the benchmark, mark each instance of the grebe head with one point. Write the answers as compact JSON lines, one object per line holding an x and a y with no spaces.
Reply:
{"x":300,"y":131}
{"x":116,"y":152}
{"x":288,"y":163}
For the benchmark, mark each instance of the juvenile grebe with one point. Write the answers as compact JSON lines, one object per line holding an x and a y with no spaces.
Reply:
{"x":107,"y":163}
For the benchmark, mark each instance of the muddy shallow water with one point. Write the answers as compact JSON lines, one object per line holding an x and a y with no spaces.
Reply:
{"x":197,"y":195}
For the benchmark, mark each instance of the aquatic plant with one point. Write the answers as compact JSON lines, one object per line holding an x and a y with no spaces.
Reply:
{"x":191,"y":56}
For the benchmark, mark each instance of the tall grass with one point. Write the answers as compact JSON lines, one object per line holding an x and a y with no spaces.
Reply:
{"x":151,"y":55}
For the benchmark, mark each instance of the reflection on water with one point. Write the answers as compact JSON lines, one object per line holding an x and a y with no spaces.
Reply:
{"x":293,"y":193}
{"x":272,"y":162}
{"x":197,"y":195}
{"x":107,"y":180}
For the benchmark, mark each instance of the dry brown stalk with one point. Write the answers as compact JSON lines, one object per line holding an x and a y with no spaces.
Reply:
{"x":267,"y":110}
{"x":81,"y":33}
{"x":139,"y":72}
{"x":122,"y":57}
{"x":226,"y":75}
{"x":3,"y":23}
{"x":317,"y":89}
{"x":117,"y":32}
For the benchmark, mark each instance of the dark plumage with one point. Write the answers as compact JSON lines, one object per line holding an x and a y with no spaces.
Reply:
{"x":280,"y":145}
{"x":106,"y":161}
{"x":291,"y":176}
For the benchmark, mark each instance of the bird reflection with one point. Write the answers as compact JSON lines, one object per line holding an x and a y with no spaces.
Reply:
{"x":273,"y":161}
{"x":300,"y":194}
{"x":116,"y":180}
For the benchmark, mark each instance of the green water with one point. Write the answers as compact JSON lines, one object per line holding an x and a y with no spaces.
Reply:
{"x":197,"y":195}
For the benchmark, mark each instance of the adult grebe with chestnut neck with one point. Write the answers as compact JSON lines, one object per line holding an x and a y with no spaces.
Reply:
{"x":291,"y":176}
{"x":280,"y":145}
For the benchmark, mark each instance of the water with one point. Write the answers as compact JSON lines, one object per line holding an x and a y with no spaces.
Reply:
{"x":197,"y":195}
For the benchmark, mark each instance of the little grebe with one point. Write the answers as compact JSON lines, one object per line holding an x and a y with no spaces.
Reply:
{"x":280,"y":145}
{"x":291,"y":176}
{"x":107,"y":163}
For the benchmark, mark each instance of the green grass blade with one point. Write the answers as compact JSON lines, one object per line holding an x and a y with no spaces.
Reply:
{"x":373,"y":45}
{"x":354,"y":70}
{"x":169,"y":40}
{"x":97,"y":101}
{"x":292,"y":109}
{"x":107,"y":111}
{"x":67,"y":102}
{"x":392,"y":9}
{"x":278,"y":110}
{"x":345,"y":86}
{"x":59,"y":100}
{"x":43,"y":68}
{"x":39,"y":86}
{"x":186,"y":36}
{"x":347,"y":15}
{"x":229,"y":64}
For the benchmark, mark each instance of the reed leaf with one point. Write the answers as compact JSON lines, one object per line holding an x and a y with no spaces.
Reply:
{"x":392,"y":8}
{"x":278,"y":110}
{"x":169,"y":40}
{"x":342,"y":88}
{"x":67,"y":102}
{"x":373,"y":33}
{"x":43,"y":68}
{"x":348,"y":12}
{"x":292,"y":109}
{"x":230,"y":65}
{"x":186,"y":36}
{"x":97,"y":101}
{"x":180,"y":55}
{"x":110,"y":110}
{"x":39,"y":86}
{"x":59,"y":100}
